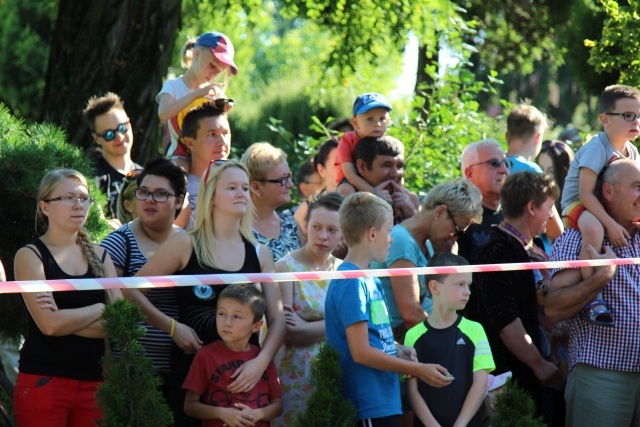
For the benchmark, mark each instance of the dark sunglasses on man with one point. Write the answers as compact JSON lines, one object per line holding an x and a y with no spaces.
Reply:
{"x":110,"y":134}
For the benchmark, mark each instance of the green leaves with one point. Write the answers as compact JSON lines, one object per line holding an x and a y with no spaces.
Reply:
{"x":618,"y":50}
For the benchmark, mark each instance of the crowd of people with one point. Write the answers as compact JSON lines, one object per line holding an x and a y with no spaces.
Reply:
{"x":241,"y":355}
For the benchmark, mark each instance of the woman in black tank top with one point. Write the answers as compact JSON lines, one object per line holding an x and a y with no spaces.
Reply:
{"x":60,"y":361}
{"x":220,"y":242}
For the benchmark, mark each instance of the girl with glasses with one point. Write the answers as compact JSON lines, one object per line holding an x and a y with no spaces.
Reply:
{"x":158,"y":196}
{"x":60,"y":362}
{"x":220,"y":242}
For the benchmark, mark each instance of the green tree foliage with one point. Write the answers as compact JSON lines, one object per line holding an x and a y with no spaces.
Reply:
{"x":515,"y":408}
{"x":326,"y":406}
{"x":130,"y":395}
{"x":618,"y":49}
{"x":516,"y":34}
{"x":434,"y":139}
{"x":26,"y":28}
{"x":27,"y":153}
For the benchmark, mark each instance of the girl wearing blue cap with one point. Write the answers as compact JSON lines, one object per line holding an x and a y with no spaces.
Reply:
{"x":204,"y":58}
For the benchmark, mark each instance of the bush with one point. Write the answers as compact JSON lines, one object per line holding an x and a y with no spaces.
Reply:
{"x":515,"y":408}
{"x":326,"y":406}
{"x":130,"y":395}
{"x":27,"y":153}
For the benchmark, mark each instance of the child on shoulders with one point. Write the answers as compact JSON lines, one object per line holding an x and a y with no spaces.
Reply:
{"x":370,"y":118}
{"x":357,"y":320}
{"x":205,"y":58}
{"x":619,"y":109}
{"x":457,"y":343}
{"x":240,"y":311}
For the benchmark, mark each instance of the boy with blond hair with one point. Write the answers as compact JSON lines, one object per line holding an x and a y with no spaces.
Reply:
{"x":240,"y":310}
{"x":619,"y":113}
{"x":455,"y":342}
{"x":525,"y":128}
{"x":357,"y":320}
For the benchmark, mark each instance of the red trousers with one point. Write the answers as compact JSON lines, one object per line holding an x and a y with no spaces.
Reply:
{"x":40,"y":401}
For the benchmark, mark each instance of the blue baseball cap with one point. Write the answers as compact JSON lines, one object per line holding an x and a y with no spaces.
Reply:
{"x":367,"y":101}
{"x":221,"y":47}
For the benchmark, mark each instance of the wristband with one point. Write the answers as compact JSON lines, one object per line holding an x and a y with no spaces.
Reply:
{"x":173,"y":327}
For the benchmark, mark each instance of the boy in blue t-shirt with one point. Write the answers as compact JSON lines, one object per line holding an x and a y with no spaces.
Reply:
{"x":357,"y":320}
{"x":459,"y":344}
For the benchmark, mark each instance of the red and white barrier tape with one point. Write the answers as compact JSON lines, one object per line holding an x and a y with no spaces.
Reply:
{"x":219,"y":279}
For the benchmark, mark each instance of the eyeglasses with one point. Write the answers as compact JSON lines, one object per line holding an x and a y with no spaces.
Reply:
{"x":218,"y":162}
{"x":72,"y":200}
{"x":282,"y":181}
{"x":495,"y":163}
{"x":110,"y":134}
{"x":159,"y":196}
{"x":459,"y":231}
{"x":627,"y":117}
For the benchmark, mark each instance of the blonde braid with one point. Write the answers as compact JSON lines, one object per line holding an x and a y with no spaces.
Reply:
{"x":90,"y":254}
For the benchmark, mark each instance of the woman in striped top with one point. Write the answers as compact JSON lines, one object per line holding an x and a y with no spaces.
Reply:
{"x":160,"y":193}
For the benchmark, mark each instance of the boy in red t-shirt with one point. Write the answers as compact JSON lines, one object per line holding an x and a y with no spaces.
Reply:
{"x":239,"y":314}
{"x":370,"y":118}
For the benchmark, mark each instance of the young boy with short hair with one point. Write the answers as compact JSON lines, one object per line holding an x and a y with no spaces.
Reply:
{"x":525,"y":128}
{"x":357,"y":319}
{"x":111,"y":131}
{"x":619,"y":111}
{"x":459,"y":344}
{"x":207,"y":134}
{"x":239,"y":314}
{"x":370,"y":118}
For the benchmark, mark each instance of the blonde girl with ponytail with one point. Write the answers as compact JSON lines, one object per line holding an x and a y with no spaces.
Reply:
{"x":60,"y":361}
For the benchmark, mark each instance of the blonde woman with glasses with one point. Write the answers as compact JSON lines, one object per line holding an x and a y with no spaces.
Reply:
{"x":60,"y":362}
{"x":220,"y":242}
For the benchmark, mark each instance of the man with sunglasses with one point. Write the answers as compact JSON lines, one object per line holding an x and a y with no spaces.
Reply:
{"x":111,"y":130}
{"x":206,"y":132}
{"x":485,"y":164}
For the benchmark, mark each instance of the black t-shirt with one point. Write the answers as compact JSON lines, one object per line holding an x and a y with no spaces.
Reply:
{"x":110,"y":182}
{"x":477,"y":235}
{"x":462,"y":348}
{"x":69,"y":356}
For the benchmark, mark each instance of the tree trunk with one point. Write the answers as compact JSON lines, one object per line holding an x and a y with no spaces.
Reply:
{"x":122,"y":46}
{"x":423,"y":79}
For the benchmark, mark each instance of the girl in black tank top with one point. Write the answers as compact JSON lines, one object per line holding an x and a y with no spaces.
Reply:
{"x":220,"y":242}
{"x":60,"y":367}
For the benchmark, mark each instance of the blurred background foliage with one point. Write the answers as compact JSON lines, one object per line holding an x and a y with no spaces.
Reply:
{"x":302,"y":63}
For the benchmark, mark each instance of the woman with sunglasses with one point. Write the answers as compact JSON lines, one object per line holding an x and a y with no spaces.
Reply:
{"x":60,"y":362}
{"x":448,"y":209}
{"x":220,"y":242}
{"x":111,"y":130}
{"x":271,"y":184}
{"x":160,"y":189}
